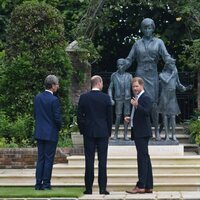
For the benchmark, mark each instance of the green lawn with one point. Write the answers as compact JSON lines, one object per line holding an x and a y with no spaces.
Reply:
{"x":8,"y":192}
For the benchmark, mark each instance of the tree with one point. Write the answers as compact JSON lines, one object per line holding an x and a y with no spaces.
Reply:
{"x":35,"y":48}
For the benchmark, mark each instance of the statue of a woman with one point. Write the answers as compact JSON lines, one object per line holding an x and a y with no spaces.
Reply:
{"x":147,"y":52}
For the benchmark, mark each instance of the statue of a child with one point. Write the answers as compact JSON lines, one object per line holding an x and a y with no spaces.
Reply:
{"x":168,"y":105}
{"x":120,"y":93}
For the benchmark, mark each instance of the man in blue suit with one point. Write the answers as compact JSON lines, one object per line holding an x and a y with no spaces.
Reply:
{"x":47,"y":114}
{"x":95,"y":124}
{"x":142,"y":105}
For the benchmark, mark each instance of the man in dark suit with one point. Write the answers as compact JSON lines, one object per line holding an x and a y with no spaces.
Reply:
{"x":95,"y":124}
{"x":47,"y":114}
{"x":142,"y":105}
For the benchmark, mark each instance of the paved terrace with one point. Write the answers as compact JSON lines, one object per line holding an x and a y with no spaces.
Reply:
{"x":125,"y":196}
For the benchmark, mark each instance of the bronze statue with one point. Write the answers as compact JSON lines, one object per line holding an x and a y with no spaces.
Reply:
{"x":168,"y":105}
{"x":120,"y":93}
{"x":147,"y":52}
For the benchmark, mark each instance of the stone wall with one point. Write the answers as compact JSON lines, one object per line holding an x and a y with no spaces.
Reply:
{"x":26,"y":157}
{"x":77,"y":87}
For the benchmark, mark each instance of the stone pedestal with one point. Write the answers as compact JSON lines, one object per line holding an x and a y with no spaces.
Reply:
{"x":127,"y":148}
{"x":154,"y":150}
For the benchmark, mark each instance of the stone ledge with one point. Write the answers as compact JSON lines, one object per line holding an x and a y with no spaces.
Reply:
{"x":26,"y":157}
{"x":164,"y":150}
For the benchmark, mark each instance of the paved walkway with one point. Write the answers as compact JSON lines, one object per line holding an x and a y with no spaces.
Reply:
{"x":124,"y":196}
{"x":153,"y":196}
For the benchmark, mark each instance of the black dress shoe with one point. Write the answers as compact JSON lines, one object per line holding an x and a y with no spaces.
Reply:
{"x":104,"y":192}
{"x":39,"y":188}
{"x":46,"y":188}
{"x":87,"y":192}
{"x":148,"y":190}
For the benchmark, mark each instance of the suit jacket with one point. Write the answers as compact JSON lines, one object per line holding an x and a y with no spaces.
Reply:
{"x":47,"y":114}
{"x":95,"y":114}
{"x":141,"y":118}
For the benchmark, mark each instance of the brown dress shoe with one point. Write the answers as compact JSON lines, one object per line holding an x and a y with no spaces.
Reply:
{"x":148,"y":190}
{"x":136,"y":190}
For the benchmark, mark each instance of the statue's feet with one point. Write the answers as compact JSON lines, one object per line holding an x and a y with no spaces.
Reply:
{"x":167,"y":139}
{"x":126,"y":138}
{"x":174,"y":138}
{"x":115,"y":137}
{"x":158,"y":138}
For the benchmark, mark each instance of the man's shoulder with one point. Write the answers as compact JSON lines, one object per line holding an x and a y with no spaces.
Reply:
{"x":100,"y":94}
{"x":46,"y":95}
{"x":146,"y":96}
{"x":90,"y":94}
{"x":85,"y":94}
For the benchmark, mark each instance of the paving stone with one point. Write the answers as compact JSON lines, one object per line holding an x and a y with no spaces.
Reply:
{"x":141,"y":196}
{"x":169,"y":196}
{"x":15,"y":198}
{"x":63,"y":198}
{"x":115,"y":197}
{"x":37,"y":199}
{"x":191,"y":195}
{"x":92,"y":197}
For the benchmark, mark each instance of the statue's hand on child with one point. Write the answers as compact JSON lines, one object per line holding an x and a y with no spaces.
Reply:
{"x":189,"y":87}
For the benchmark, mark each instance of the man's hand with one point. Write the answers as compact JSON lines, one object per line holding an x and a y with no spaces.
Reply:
{"x":134,"y":102}
{"x":112,"y":102}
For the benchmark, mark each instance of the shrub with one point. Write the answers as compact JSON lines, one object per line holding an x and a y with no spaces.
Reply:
{"x":17,"y":133}
{"x":194,"y":131}
{"x":194,"y":128}
{"x":35,"y":48}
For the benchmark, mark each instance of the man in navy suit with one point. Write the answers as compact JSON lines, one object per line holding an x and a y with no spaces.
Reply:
{"x":95,"y":124}
{"x":47,"y":114}
{"x":142,"y":105}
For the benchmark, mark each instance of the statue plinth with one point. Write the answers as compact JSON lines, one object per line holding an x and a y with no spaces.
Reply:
{"x":154,"y":150}
{"x":121,"y":141}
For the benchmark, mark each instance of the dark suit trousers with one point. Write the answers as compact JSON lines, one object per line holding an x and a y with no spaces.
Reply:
{"x":46,"y":153}
{"x":90,"y":145}
{"x":144,"y":163}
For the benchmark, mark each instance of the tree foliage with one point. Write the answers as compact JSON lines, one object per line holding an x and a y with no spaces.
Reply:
{"x":35,"y":48}
{"x":119,"y":27}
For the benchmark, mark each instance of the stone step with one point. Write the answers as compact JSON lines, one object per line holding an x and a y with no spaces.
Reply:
{"x":120,"y":187}
{"x":129,"y":169}
{"x":128,"y":160}
{"x":188,"y":147}
{"x":61,"y":179}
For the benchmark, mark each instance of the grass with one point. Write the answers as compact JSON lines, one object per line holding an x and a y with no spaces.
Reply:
{"x":22,"y":192}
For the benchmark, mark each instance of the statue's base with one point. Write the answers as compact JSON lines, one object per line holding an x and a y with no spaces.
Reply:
{"x":121,"y":147}
{"x":121,"y":141}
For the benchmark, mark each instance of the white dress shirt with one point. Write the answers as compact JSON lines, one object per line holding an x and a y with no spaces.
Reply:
{"x":133,"y":108}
